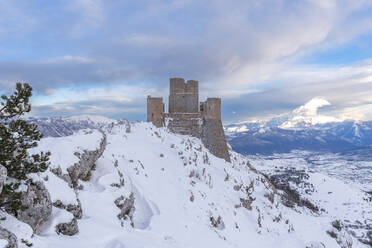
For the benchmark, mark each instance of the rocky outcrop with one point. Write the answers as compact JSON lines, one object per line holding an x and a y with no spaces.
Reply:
{"x":9,"y":237}
{"x":87,"y":159}
{"x":38,"y":203}
{"x":71,"y":228}
{"x":315,"y":244}
{"x":122,"y":124}
{"x":81,"y":170}
{"x":342,"y":238}
{"x":3,"y":174}
{"x":125,"y":123}
{"x":76,"y":210}
{"x":291,"y":196}
{"x":127,"y":208}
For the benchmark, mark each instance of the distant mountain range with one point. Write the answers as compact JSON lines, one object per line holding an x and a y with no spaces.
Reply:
{"x":302,"y":129}
{"x":261,"y":138}
{"x":64,"y":126}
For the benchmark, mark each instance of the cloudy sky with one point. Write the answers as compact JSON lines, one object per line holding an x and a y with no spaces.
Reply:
{"x":262,"y":57}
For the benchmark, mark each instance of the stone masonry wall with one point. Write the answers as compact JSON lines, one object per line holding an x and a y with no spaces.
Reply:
{"x":185,"y":118}
{"x":155,"y":111}
{"x":183,"y":97}
{"x":213,"y":137}
{"x":185,"y":124}
{"x":212,"y":133}
{"x":211,"y":109}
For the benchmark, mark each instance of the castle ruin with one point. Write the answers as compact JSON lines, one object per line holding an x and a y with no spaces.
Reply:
{"x":185,"y":115}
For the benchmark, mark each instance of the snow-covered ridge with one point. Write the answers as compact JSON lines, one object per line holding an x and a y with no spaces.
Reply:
{"x":152,"y":188}
{"x":64,"y":126}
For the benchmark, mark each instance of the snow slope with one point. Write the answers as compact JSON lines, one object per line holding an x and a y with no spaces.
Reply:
{"x":336,"y":188}
{"x":183,"y":197}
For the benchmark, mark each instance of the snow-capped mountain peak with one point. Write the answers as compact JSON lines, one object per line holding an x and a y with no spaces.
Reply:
{"x":307,"y":115}
{"x":302,"y":129}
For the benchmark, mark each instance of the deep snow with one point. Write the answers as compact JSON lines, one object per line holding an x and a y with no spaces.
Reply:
{"x":180,"y":192}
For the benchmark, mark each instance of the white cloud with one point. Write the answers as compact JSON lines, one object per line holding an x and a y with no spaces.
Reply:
{"x":360,"y":112}
{"x":311,"y":107}
{"x":236,"y":49}
{"x":307,"y":114}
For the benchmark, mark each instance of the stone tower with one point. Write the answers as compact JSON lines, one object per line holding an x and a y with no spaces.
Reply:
{"x":185,"y":118}
{"x":212,"y":133}
{"x":183,"y":97}
{"x":155,"y":111}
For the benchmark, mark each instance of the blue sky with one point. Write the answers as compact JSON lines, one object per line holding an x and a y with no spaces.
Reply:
{"x":262,"y":57}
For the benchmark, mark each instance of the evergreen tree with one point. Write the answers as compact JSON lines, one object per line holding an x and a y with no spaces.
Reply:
{"x":16,"y":137}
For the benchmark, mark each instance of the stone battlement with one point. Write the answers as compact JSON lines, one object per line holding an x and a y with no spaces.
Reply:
{"x":189,"y":117}
{"x":178,"y":86}
{"x":183,"y":97}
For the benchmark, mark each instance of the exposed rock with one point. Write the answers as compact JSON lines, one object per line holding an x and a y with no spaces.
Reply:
{"x":247,"y":203}
{"x":10,"y":237}
{"x":83,"y":169}
{"x":38,"y":203}
{"x":120,"y":125}
{"x":343,"y":239}
{"x":87,"y":159}
{"x":290,"y":196}
{"x":71,"y":228}
{"x":126,"y":123}
{"x":76,"y":210}
{"x":217,"y":222}
{"x":127,"y":208}
{"x":315,"y":244}
{"x":58,"y":172}
{"x":3,"y":174}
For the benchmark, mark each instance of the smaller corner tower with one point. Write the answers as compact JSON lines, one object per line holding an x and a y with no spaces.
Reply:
{"x":211,"y":109}
{"x":155,"y":111}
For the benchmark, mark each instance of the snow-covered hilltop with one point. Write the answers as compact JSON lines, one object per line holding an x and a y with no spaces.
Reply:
{"x":141,"y":186}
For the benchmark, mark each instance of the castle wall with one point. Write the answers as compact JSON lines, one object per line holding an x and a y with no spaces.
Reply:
{"x":212,"y":133}
{"x":183,"y":97}
{"x":155,"y":111}
{"x":213,"y":137}
{"x":184,"y":123}
{"x":185,"y":118}
{"x":211,"y":109}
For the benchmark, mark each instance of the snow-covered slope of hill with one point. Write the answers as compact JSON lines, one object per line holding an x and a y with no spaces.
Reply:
{"x":140,"y":186}
{"x":332,"y":181}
